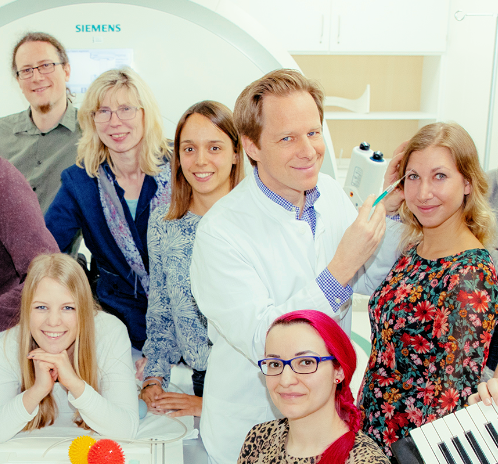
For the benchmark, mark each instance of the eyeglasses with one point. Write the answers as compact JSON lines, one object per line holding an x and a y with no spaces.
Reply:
{"x":45,"y":68}
{"x":300,"y":364}
{"x":124,"y":113}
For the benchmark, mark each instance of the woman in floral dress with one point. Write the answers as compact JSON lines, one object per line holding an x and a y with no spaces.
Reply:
{"x":207,"y":164}
{"x":433,"y":316}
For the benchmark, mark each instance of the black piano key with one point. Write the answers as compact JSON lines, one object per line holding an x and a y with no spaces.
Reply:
{"x":475,"y":446}
{"x":461,"y":450}
{"x":492,"y":432}
{"x":446,"y":453}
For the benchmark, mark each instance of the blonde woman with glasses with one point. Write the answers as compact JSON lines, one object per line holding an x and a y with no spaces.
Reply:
{"x":121,"y":175}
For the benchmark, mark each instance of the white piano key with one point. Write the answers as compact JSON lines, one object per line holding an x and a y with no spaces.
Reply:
{"x":434,"y":440}
{"x":423,"y":447}
{"x":480,"y":420}
{"x":468,"y":425}
{"x":489,"y":412}
{"x":445,"y":434}
{"x":492,"y":416}
{"x":494,"y":405}
{"x":458,"y":432}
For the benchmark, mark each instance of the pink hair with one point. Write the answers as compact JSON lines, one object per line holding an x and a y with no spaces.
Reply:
{"x":338,"y":345}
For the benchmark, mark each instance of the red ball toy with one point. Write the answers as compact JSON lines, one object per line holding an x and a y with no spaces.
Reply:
{"x":106,"y":451}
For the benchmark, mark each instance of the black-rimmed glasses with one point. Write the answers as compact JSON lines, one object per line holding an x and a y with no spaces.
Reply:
{"x":124,"y":113}
{"x":45,"y":68}
{"x":299,"y":364}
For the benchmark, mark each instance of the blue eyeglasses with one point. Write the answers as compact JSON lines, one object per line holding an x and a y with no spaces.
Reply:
{"x":299,"y":364}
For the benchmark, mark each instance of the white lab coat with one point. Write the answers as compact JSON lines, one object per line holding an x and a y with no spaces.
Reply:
{"x":252,"y":262}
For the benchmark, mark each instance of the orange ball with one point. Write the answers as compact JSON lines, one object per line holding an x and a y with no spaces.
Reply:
{"x":106,"y":451}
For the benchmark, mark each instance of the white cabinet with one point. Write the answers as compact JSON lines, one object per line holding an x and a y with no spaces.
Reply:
{"x":354,"y":26}
{"x":389,"y":26}
{"x":299,"y":25}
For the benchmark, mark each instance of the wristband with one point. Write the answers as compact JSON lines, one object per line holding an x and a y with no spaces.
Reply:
{"x":150,"y":384}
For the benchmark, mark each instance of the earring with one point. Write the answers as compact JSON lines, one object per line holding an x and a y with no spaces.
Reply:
{"x":337,"y":381}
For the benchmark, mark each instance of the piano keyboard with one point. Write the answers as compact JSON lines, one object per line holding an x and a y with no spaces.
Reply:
{"x":468,"y":436}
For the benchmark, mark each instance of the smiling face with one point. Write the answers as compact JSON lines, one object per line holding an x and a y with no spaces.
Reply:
{"x":291,"y":145}
{"x":435,"y":189}
{"x":53,"y":321}
{"x":44,"y":92}
{"x":300,"y":396}
{"x":121,"y":136}
{"x":206,"y":157}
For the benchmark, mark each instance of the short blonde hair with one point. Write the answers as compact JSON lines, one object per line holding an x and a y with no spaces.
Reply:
{"x":248,"y":111}
{"x":68,"y":273}
{"x":91,"y":151}
{"x":222,"y":118}
{"x":476,"y":210}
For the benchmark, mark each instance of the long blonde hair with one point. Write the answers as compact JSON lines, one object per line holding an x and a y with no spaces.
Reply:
{"x":68,"y":273}
{"x":477,"y":213}
{"x":92,"y":152}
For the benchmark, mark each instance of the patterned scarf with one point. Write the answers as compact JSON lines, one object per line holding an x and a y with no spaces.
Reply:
{"x":118,"y":225}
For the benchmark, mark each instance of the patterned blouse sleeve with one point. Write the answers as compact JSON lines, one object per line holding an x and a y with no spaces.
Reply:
{"x":466,"y":312}
{"x":161,"y":347}
{"x":250,"y":447}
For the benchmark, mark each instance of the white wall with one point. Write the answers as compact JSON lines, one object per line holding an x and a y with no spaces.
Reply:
{"x":186,"y":51}
{"x":467,"y":72}
{"x":463,"y":90}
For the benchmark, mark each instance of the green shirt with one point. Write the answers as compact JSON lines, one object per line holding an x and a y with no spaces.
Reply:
{"x":41,"y":157}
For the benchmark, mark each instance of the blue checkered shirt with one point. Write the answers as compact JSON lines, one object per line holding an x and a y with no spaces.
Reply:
{"x":335,"y":293}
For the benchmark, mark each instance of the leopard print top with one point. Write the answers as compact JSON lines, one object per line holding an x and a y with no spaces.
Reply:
{"x":265,"y":444}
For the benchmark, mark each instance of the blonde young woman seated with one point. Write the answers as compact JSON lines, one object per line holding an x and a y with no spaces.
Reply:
{"x":66,"y":363}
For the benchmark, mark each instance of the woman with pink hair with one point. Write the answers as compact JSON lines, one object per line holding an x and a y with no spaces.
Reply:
{"x":308,"y":365}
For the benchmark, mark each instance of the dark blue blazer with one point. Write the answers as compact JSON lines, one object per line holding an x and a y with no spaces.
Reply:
{"x":77,"y":207}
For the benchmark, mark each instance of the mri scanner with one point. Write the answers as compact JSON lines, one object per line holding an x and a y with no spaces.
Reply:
{"x":186,"y":51}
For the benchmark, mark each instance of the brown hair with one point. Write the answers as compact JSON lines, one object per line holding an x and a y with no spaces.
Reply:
{"x":68,"y":273}
{"x":476,"y":210}
{"x":248,"y":112}
{"x":40,"y":37}
{"x":222,"y":118}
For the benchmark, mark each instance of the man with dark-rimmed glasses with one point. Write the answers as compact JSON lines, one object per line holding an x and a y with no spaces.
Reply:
{"x":41,"y":141}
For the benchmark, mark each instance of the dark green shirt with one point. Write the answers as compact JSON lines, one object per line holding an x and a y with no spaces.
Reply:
{"x":41,"y":157}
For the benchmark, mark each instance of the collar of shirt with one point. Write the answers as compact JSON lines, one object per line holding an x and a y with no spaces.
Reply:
{"x":26,"y":124}
{"x":311,"y":196}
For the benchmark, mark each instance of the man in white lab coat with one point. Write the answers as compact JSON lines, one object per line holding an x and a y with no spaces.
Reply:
{"x":286,"y":238}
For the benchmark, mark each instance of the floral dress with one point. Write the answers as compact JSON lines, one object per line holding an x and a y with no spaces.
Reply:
{"x":431,"y":326}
